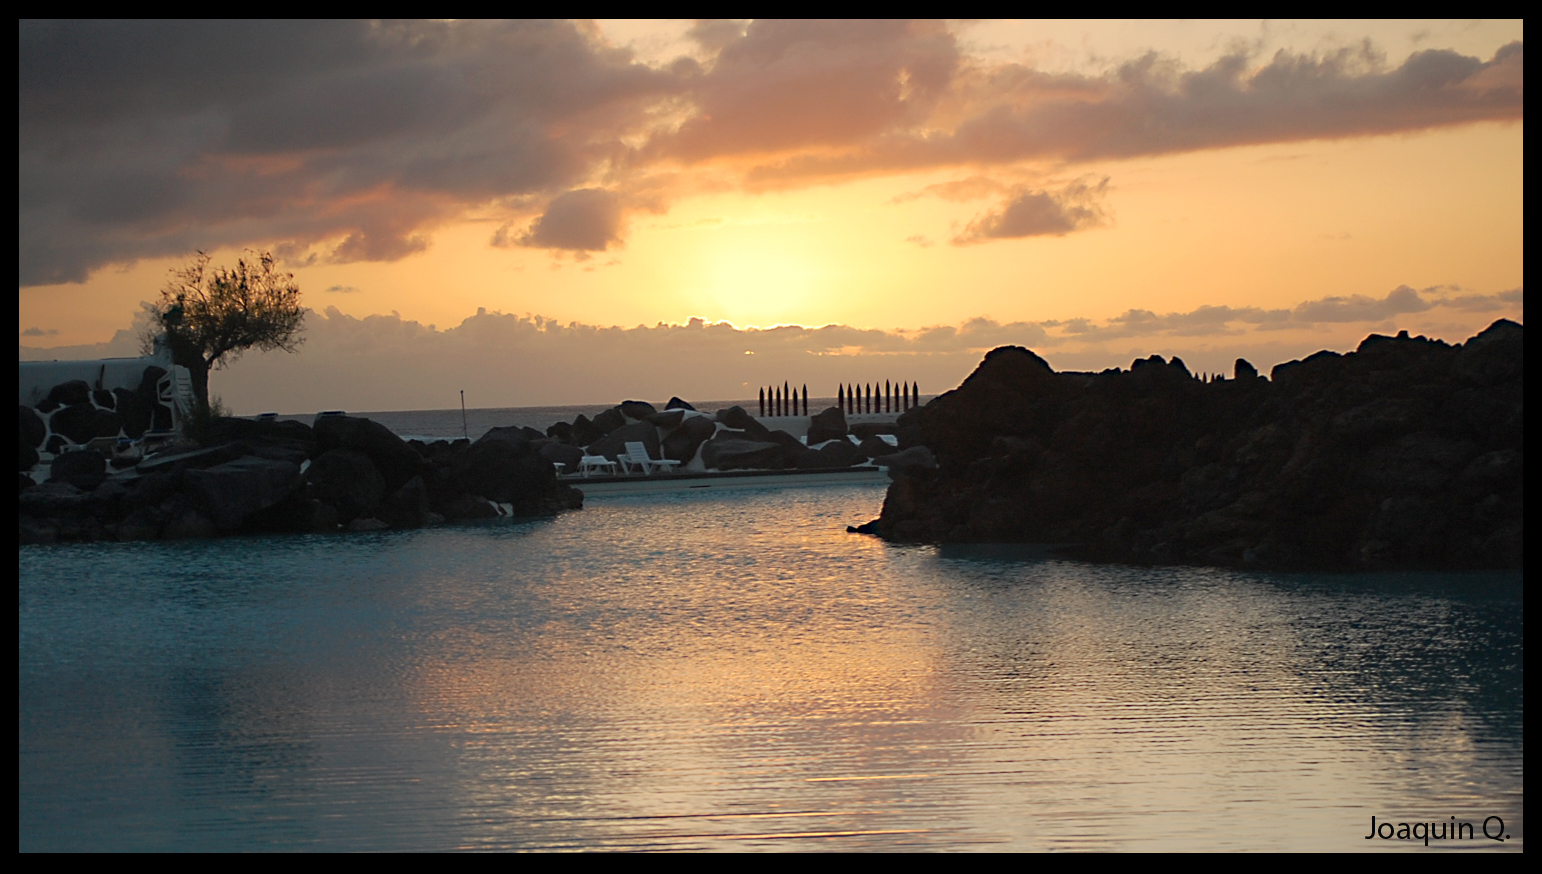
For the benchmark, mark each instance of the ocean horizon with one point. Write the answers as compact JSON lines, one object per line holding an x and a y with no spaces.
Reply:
{"x":446,"y":424}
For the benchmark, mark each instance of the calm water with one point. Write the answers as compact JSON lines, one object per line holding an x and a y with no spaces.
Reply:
{"x":726,"y":673}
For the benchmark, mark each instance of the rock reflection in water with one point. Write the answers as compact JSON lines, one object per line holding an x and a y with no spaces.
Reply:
{"x":709,"y":672}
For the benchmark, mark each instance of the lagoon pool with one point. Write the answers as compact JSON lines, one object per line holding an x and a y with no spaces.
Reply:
{"x":735,"y":672}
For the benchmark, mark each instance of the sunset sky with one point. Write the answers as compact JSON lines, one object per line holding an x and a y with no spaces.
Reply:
{"x":536,"y":212}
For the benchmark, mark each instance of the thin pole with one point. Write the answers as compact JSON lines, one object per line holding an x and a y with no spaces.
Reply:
{"x":464,"y":430}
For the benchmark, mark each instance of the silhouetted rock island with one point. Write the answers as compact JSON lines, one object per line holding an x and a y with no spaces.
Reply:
{"x":1406,"y":453}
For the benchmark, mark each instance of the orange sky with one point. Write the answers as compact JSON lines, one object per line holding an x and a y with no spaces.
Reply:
{"x":878,"y":177}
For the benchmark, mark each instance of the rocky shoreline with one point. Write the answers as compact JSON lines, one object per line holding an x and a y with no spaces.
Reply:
{"x":1407,"y":453}
{"x":349,"y":473}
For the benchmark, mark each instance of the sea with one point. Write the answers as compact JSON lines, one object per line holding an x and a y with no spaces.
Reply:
{"x":733,"y":671}
{"x":430,"y":425}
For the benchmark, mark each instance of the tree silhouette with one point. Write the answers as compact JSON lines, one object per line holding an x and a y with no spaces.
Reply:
{"x":209,"y":316}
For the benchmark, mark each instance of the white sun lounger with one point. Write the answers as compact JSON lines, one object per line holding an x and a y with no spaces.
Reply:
{"x":636,"y":453}
{"x":591,"y":463}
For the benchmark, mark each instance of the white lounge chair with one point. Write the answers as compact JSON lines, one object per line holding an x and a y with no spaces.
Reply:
{"x":591,"y":463}
{"x":636,"y":453}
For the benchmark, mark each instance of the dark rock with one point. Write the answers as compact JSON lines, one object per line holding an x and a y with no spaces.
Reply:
{"x":407,"y":507}
{"x":793,"y":450}
{"x":1407,"y":453}
{"x":677,"y":404}
{"x":347,"y":480}
{"x":514,"y":436}
{"x":507,"y":471}
{"x":47,"y":405}
{"x":28,"y":457}
{"x":32,"y":531}
{"x":148,"y":382}
{"x":104,"y":399}
{"x":84,"y":469}
{"x":827,"y":424}
{"x":56,"y":444}
{"x":609,"y":420}
{"x":154,"y":489}
{"x":614,"y":443}
{"x":143,"y":523}
{"x":682,"y":443}
{"x":391,"y":455}
{"x":106,"y":500}
{"x":25,"y":482}
{"x":53,"y":499}
{"x":668,"y":419}
{"x":836,"y":453}
{"x":916,"y":457}
{"x":737,"y":453}
{"x":83,"y":422}
{"x":65,"y":394}
{"x":189,"y":459}
{"x":739,"y":420}
{"x":1495,"y":356}
{"x":876,"y":447}
{"x":585,"y":431}
{"x":561,"y":453}
{"x":366,"y":524}
{"x":134,"y":412}
{"x":1244,"y":370}
{"x":464,"y":506}
{"x":161,"y":418}
{"x":323,"y":518}
{"x":33,"y":430}
{"x":562,"y":431}
{"x":229,"y":493}
{"x":280,"y":433}
{"x":636,"y":410}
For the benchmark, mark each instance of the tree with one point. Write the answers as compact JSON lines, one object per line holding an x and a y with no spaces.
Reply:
{"x":210,"y":316}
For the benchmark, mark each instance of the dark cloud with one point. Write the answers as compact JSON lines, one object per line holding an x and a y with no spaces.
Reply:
{"x":341,"y":141}
{"x":584,"y":220}
{"x":1040,"y":213}
{"x":792,"y":84}
{"x":341,"y":289}
{"x":1152,"y":106}
{"x":144,"y":139}
{"x":39,"y":332}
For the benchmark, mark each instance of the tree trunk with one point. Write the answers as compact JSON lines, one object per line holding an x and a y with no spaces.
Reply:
{"x":184,"y":354}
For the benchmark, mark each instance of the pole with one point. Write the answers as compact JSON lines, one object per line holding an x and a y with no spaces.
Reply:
{"x":465,"y":431}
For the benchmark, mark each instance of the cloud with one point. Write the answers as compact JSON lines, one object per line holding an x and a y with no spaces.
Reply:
{"x":583,"y":220}
{"x":780,"y":85}
{"x":152,"y":138}
{"x":386,"y":362}
{"x":1039,"y":213}
{"x":1010,"y":113}
{"x":960,"y":190}
{"x":341,"y":289}
{"x":39,"y":332}
{"x":1359,"y":308}
{"x":347,"y":141}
